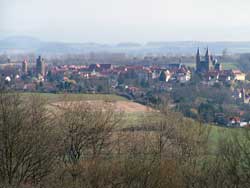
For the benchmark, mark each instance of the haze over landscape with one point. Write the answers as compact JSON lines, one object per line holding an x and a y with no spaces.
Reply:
{"x":124,"y":93}
{"x":114,"y":21}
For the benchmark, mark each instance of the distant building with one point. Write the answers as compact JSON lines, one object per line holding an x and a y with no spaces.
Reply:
{"x":40,"y":66}
{"x":24,"y":67}
{"x":245,"y":98}
{"x":8,"y":79}
{"x":156,"y":74}
{"x":238,"y":75}
{"x":183,"y":75}
{"x":100,"y":67}
{"x":207,"y":64}
{"x":218,"y":67}
{"x":165,"y":76}
{"x":242,"y":95}
{"x":234,"y":122}
{"x":106,"y":67}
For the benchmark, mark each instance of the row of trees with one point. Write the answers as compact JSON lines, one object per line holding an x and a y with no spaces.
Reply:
{"x":73,"y":145}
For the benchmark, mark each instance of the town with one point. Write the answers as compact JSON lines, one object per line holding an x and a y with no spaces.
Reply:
{"x":145,"y":84}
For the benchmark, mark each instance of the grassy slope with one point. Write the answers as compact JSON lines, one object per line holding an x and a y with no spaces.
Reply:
{"x":128,"y":119}
{"x":137,"y":118}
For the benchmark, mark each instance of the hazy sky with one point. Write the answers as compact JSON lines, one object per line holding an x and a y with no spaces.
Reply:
{"x":112,"y":21}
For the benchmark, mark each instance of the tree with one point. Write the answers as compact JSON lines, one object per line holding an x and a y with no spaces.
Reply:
{"x":234,"y":157}
{"x":87,"y":134}
{"x":26,"y":143}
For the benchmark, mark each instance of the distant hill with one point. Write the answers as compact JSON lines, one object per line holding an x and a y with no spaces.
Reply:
{"x":25,"y":44}
{"x":20,"y":42}
{"x":128,"y":45}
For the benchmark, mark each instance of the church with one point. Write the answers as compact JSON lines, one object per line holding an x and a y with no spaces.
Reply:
{"x":207,"y":64}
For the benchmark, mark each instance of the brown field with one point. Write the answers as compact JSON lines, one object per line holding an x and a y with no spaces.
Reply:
{"x":118,"y":106}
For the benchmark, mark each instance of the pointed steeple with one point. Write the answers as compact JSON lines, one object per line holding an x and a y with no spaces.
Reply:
{"x":198,"y":52}
{"x":207,"y":53}
{"x":198,"y":60}
{"x":208,"y":60}
{"x":208,"y":56}
{"x":198,"y":57}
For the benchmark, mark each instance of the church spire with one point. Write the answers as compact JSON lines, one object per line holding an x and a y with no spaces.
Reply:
{"x":207,"y":53}
{"x":208,"y":60}
{"x":198,"y":57}
{"x":198,"y":60}
{"x":208,"y":56}
{"x":198,"y":52}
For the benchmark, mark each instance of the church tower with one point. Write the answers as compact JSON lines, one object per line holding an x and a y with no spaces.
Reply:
{"x":208,"y":61}
{"x":198,"y":60}
{"x":25,"y":67}
{"x":40,"y":66}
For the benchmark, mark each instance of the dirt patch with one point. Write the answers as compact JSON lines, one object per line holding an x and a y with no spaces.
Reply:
{"x":128,"y":106}
{"x":119,"y":106}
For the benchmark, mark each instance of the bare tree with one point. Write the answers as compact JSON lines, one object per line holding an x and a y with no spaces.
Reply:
{"x":26,"y":149}
{"x":87,"y":136}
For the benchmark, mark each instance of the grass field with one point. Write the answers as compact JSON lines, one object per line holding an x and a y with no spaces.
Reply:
{"x":230,"y":65}
{"x":140,"y":118}
{"x":136,"y":117}
{"x":133,"y":113}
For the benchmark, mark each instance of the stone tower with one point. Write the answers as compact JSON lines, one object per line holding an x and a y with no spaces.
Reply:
{"x":40,"y":66}
{"x":24,"y":67}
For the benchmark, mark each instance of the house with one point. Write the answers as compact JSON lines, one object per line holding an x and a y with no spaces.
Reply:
{"x":243,"y":96}
{"x":183,"y":75}
{"x":100,"y":67}
{"x":165,"y":76}
{"x":106,"y":67}
{"x":212,"y":76}
{"x":238,"y":75}
{"x":234,"y":122}
{"x":225,"y":77}
{"x":155,"y":72}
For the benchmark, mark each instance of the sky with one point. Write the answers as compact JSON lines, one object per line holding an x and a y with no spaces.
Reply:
{"x":114,"y":21}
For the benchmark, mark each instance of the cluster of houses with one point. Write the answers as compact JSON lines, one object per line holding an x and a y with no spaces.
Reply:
{"x":214,"y":76}
{"x":236,"y":122}
{"x":173,"y":72}
{"x":27,"y":77}
{"x":210,"y":70}
{"x":208,"y":67}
